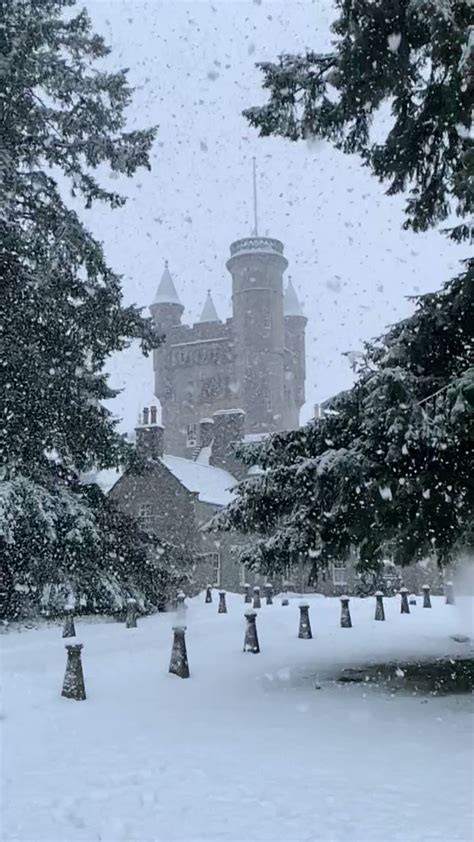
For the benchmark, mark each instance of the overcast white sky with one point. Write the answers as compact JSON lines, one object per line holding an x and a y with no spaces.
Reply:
{"x":193,"y":64}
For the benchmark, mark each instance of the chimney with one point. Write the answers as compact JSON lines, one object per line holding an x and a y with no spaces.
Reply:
{"x":150,"y":435}
{"x":206,"y":432}
{"x":228,"y":429}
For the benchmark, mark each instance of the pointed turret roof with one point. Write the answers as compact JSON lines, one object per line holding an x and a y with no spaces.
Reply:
{"x":209,"y":313}
{"x":291,"y":305}
{"x":166,"y":292}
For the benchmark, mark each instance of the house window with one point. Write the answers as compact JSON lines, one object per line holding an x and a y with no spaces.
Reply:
{"x":191,"y":435}
{"x":339,"y":576}
{"x":214,"y":562}
{"x":145,"y":515}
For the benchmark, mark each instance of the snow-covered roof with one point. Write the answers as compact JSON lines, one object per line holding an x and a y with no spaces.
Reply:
{"x":291,"y":305}
{"x":251,"y":438}
{"x":105,"y":479}
{"x":166,"y":292}
{"x":213,"y":485}
{"x":209,"y":313}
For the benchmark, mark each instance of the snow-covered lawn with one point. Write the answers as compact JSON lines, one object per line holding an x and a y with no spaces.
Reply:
{"x":248,"y":748}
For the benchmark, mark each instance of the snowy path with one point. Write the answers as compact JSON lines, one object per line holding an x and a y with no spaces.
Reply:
{"x":247,"y":749}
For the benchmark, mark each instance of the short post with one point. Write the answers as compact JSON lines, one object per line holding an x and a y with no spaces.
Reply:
{"x":179,"y":657}
{"x":305,"y":626}
{"x":379,"y":609}
{"x":404,"y":607}
{"x":346,"y":622}
{"x":69,"y":629}
{"x":450,"y":600}
{"x":426,"y":596}
{"x":222,"y":609}
{"x":73,"y":684}
{"x":412,"y":599}
{"x":208,"y":593}
{"x":285,"y":602}
{"x":247,"y":595}
{"x":269,"y":593}
{"x":131,"y":618}
{"x":251,"y":638}
{"x":256,"y":597}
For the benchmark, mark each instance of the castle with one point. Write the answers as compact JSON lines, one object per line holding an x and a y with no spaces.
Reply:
{"x":252,"y":365}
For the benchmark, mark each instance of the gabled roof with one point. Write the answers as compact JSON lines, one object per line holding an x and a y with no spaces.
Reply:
{"x":209,"y":313}
{"x":291,"y":305}
{"x":166,"y":292}
{"x":213,"y":485}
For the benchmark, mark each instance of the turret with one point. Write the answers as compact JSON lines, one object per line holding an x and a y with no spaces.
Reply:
{"x":209,"y":313}
{"x":257,"y":265}
{"x":166,"y":308}
{"x":166,"y":312}
{"x":295,"y":327}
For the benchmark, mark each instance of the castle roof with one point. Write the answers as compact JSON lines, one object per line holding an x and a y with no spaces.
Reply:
{"x":166,"y":292}
{"x":209,"y":313}
{"x":291,"y":305}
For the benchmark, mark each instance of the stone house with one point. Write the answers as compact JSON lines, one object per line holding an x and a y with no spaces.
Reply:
{"x":176,"y":497}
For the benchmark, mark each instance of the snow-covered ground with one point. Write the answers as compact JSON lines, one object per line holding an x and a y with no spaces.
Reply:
{"x":248,"y":748}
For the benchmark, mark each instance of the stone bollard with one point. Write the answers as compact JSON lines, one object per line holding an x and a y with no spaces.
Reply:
{"x":256,"y":597}
{"x":251,"y":637}
{"x":412,"y":599}
{"x":208,"y":593}
{"x":222,"y":609}
{"x":73,"y":684}
{"x":269,"y":594}
{"x":379,"y":609}
{"x":69,"y":629}
{"x":305,"y":626}
{"x":426,"y":596}
{"x":285,"y":602}
{"x":450,"y":600}
{"x":346,"y":622}
{"x":179,"y":657}
{"x":404,"y":607}
{"x":247,"y":595}
{"x":131,"y":618}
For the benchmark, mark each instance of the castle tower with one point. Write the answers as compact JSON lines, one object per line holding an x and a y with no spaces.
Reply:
{"x":295,"y":356}
{"x":257,"y":265}
{"x":166,"y":311}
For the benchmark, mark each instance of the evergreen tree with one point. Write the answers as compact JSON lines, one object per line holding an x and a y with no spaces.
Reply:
{"x":61,"y":310}
{"x":388,"y":471}
{"x":417,"y":55}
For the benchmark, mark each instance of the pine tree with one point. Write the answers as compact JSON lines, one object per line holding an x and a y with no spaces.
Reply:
{"x":61,"y":310}
{"x":418,"y":55}
{"x":389,"y":470}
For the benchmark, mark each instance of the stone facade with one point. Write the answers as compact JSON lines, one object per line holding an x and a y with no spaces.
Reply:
{"x":254,"y":361}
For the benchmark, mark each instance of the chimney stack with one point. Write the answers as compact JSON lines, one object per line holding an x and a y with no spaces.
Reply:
{"x":206,"y":432}
{"x":150,"y":435}
{"x":228,"y":429}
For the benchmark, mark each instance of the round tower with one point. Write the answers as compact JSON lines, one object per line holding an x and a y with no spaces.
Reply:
{"x":257,"y":265}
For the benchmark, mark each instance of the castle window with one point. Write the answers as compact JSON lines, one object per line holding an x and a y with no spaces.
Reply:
{"x":214,"y":562}
{"x":267,"y":321}
{"x":339,"y":575}
{"x":191,"y":435}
